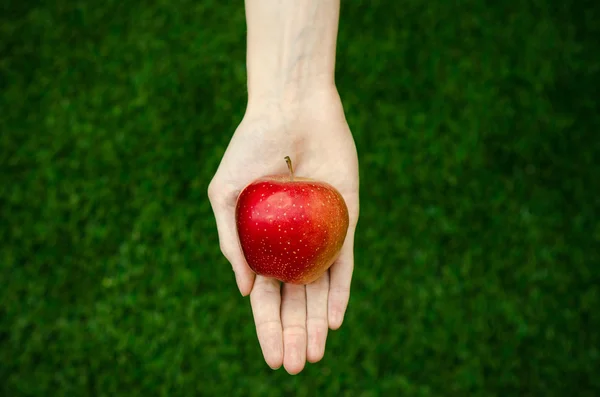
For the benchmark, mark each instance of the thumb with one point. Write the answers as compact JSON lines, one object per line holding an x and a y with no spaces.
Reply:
{"x":224,"y":212}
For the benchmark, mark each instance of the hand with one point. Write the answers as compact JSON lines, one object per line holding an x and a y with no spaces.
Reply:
{"x":292,"y":321}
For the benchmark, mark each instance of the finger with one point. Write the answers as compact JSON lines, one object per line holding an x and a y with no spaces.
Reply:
{"x":224,"y":210}
{"x":293,"y":319}
{"x":316,"y":317}
{"x":340,"y":278}
{"x":265,"y":299}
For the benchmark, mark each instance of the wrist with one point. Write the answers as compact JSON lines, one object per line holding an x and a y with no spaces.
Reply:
{"x":289,"y":95}
{"x":318,"y":100}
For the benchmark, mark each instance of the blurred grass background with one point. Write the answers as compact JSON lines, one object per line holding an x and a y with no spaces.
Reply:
{"x":478,"y":248}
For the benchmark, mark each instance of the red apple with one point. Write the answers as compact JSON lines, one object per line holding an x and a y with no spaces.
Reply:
{"x":291,"y":228}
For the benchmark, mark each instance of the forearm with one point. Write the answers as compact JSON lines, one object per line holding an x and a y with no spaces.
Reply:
{"x":290,"y":48}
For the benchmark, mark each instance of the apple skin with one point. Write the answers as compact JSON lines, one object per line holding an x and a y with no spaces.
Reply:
{"x":289,"y":228}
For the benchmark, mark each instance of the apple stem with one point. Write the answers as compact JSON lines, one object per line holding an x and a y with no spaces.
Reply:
{"x":289,"y":164}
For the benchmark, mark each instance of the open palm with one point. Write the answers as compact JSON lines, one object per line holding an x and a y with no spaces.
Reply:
{"x":292,"y":321}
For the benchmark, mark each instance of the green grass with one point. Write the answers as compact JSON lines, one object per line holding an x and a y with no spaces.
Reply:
{"x":477,"y":252}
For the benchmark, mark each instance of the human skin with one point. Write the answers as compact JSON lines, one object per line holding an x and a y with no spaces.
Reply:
{"x":294,"y":110}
